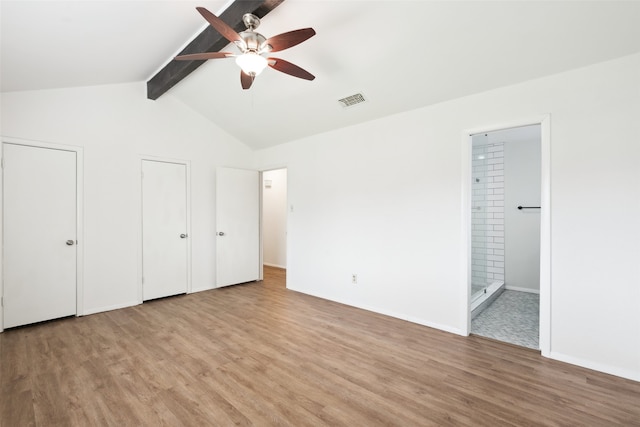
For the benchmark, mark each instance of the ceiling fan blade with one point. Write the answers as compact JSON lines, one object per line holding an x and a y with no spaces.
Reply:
{"x":286,"y":40}
{"x":222,"y":27}
{"x":204,"y":55}
{"x":245,"y":80}
{"x":289,"y":68}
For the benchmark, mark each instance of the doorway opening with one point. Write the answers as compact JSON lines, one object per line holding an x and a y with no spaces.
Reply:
{"x":507,"y":227}
{"x":274,"y":222}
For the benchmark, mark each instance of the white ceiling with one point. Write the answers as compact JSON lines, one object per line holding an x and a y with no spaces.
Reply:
{"x":400,"y":54}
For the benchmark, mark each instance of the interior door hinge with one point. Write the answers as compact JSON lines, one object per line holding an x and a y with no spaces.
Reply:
{"x":143,"y":280}
{"x":1,"y":301}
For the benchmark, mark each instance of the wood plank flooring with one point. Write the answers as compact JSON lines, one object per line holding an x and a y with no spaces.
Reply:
{"x":258,"y":354}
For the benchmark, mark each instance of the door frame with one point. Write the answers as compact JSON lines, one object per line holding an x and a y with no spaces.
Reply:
{"x":545,"y":224}
{"x":187,"y":164}
{"x":79,"y":216}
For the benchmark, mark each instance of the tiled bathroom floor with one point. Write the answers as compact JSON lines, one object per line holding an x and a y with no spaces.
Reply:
{"x":513,"y":317}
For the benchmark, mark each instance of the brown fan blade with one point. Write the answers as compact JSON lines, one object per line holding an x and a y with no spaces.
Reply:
{"x":245,"y":80}
{"x":289,"y":68}
{"x":286,"y":40}
{"x":203,"y":56}
{"x":222,"y":27}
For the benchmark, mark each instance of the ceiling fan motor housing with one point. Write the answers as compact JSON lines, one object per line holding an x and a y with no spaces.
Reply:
{"x":253,"y":42}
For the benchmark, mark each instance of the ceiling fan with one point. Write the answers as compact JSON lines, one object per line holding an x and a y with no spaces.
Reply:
{"x":254,"y":48}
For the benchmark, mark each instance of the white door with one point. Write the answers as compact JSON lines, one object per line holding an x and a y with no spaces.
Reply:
{"x":39,"y":222}
{"x":165,"y":260}
{"x":238,"y":226}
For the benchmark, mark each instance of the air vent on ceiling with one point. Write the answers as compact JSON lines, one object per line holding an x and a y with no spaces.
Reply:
{"x":352,"y":100}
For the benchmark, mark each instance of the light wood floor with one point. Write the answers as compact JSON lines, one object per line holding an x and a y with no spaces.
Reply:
{"x":260,"y":354}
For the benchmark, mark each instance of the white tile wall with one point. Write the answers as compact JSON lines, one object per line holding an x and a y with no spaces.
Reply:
{"x":487,"y":214}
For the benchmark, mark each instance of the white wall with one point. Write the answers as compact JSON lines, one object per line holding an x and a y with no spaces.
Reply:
{"x":522,"y":227}
{"x":383,"y":200}
{"x":274,"y":218}
{"x":116,"y":124}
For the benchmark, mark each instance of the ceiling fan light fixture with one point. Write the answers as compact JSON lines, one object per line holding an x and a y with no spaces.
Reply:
{"x":251,"y":63}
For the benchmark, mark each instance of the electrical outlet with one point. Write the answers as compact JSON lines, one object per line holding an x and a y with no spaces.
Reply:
{"x":354,"y":278}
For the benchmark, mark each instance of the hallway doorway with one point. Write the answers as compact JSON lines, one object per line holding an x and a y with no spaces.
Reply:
{"x":274,"y":218}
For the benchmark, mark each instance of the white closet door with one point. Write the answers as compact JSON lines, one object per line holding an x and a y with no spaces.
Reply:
{"x":164,"y":229}
{"x":39,"y":220}
{"x":238,"y":226}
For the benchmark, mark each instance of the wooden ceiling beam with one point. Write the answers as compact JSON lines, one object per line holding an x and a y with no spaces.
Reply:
{"x":209,"y":40}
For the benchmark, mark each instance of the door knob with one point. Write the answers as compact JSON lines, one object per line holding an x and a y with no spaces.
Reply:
{"x":69,"y":242}
{"x":220,"y":233}
{"x":183,"y":236}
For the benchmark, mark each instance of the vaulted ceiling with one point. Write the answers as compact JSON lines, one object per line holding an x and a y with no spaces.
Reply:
{"x":399,"y":54}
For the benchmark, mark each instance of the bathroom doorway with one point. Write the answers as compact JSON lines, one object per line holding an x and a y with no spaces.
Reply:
{"x":505,"y":235}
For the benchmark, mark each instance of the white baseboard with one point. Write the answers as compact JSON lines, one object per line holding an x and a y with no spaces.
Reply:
{"x":531,"y":291}
{"x":607,"y":369}
{"x":389,"y":313}
{"x":274,"y":265}
{"x":108,"y":308}
{"x":619,"y":372}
